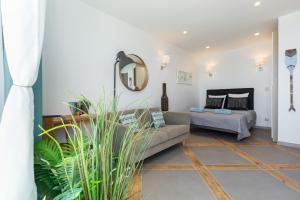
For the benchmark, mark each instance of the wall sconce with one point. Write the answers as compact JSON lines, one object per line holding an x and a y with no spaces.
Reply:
{"x":260,"y":61}
{"x":260,"y":67}
{"x":165,"y":61}
{"x":209,"y":69}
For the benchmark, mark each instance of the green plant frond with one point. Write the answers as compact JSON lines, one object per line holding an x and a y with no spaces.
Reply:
{"x":48,"y":151}
{"x":66,"y":171}
{"x":47,"y":156}
{"x":69,"y":194}
{"x":68,"y":149}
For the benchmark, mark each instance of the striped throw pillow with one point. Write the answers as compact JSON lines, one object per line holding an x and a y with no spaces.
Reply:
{"x":158,"y":119}
{"x":237,"y":103}
{"x":130,"y":120}
{"x":214,"y":103}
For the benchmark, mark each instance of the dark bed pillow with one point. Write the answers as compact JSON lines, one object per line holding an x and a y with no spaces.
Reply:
{"x":237,"y":103}
{"x":214,"y":103}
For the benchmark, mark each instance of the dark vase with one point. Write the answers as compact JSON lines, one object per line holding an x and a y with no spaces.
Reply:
{"x":164,"y":98}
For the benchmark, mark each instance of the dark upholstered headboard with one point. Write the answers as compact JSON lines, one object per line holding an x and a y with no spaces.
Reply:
{"x":235,"y":91}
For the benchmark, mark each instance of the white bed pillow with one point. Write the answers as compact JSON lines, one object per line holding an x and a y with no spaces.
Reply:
{"x":219,"y":96}
{"x":244,"y":95}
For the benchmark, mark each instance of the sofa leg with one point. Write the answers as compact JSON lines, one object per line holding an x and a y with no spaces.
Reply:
{"x":183,"y":143}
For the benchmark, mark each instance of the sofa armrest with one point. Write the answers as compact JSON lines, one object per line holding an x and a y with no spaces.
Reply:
{"x":177,"y":118}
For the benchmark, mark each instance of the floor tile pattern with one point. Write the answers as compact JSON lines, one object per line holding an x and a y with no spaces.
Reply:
{"x":214,"y":165}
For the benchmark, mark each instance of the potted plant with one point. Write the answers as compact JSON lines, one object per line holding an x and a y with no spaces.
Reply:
{"x":80,"y":107}
{"x":89,"y":166}
{"x":84,"y":104}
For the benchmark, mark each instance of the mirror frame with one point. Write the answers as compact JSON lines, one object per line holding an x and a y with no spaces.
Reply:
{"x":146,"y":78}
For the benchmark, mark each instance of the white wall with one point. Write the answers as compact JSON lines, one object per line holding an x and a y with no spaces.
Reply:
{"x":237,"y":69}
{"x":80,"y":48}
{"x":288,"y":122}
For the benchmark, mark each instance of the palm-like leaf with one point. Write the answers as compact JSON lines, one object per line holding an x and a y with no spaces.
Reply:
{"x":69,"y":194}
{"x":47,"y":156}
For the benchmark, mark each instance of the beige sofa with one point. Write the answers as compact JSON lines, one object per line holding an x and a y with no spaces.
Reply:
{"x":177,"y":129}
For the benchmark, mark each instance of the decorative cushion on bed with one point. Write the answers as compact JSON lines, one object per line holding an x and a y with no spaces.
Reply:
{"x":223,"y":111}
{"x":237,"y":103}
{"x":214,"y":103}
{"x":158,"y":119}
{"x":219,"y":96}
{"x":130,"y":120}
{"x":198,"y":110}
{"x":239,"y":95}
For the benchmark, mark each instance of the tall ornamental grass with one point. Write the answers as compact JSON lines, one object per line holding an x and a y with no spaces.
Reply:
{"x":90,"y":166}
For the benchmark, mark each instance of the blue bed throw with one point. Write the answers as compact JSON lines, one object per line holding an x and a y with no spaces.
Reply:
{"x":198,"y":110}
{"x":223,"y":111}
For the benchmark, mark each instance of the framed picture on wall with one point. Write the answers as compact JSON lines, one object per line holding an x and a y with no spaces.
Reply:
{"x":184,"y":78}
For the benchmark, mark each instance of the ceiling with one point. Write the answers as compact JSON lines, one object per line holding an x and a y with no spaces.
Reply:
{"x":221,"y":24}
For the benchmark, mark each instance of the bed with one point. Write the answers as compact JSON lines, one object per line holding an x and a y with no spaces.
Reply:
{"x":239,"y":122}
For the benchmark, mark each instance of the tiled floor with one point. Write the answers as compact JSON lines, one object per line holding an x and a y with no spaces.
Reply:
{"x":213,"y":165}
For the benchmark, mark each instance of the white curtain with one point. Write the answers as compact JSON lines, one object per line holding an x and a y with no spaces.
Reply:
{"x":23,"y":31}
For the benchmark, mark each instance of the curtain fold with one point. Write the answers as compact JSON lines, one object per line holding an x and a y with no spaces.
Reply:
{"x":7,"y":78}
{"x":37,"y":92}
{"x":23,"y":32}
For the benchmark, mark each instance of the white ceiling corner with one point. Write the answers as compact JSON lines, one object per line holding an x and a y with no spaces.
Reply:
{"x":218,"y":23}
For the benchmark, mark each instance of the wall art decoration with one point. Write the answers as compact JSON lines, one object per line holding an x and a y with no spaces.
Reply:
{"x":184,"y":78}
{"x":291,"y":62}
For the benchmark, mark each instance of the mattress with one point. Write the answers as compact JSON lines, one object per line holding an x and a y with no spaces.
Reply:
{"x":240,"y":121}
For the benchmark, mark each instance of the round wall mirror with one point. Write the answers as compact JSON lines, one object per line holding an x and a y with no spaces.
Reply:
{"x":134,"y":77}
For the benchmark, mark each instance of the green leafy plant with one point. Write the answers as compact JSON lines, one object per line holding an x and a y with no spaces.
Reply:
{"x":96,"y":163}
{"x":84,"y":104}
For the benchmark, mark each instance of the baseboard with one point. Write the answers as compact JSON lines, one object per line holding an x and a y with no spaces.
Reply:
{"x":287,"y":144}
{"x":262,"y":127}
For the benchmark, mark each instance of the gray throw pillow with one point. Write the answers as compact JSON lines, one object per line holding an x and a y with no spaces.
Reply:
{"x":158,"y":119}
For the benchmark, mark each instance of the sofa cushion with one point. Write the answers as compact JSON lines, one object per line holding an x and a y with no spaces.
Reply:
{"x":166,"y":133}
{"x":158,"y":119}
{"x":130,"y":120}
{"x":175,"y":130}
{"x":119,"y":113}
{"x":145,"y":118}
{"x":136,"y":112}
{"x":126,"y":112}
{"x":157,"y":137}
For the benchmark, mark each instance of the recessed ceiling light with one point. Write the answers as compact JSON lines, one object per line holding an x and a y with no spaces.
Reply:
{"x":207,"y":47}
{"x":257,"y":3}
{"x":184,"y":32}
{"x":256,"y":34}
